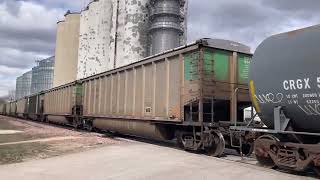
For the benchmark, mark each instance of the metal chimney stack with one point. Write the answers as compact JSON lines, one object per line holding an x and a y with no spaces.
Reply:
{"x":166,"y":31}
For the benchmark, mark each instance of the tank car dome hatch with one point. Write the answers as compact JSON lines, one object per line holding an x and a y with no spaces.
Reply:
{"x":226,"y":44}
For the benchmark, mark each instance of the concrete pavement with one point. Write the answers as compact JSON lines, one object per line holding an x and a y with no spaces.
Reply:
{"x":137,"y":161}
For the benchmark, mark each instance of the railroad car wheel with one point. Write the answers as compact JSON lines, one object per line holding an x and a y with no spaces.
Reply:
{"x":262,"y":147}
{"x":218,"y":145}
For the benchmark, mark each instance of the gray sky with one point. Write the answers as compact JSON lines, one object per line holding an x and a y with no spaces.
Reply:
{"x":28,"y":27}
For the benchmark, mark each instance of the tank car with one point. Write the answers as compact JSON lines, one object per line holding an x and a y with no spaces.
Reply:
{"x":285,"y":91}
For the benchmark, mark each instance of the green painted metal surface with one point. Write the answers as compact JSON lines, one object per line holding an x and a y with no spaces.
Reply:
{"x":217,"y":63}
{"x":191,"y":66}
{"x":243,"y":68}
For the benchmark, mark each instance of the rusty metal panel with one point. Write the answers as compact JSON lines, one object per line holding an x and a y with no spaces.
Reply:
{"x":95,"y":96}
{"x":114,"y":93}
{"x":33,"y":103}
{"x":108,"y":94}
{"x":138,"y":89}
{"x":59,"y":101}
{"x":121,"y":93}
{"x":129,"y":95}
{"x":174,"y":87}
{"x":91,"y":95}
{"x":161,"y":89}
{"x":149,"y":80}
{"x":21,"y":106}
{"x":85,"y":99}
{"x":13,"y":108}
{"x":102,"y":95}
{"x":8,"y":108}
{"x":2,"y":108}
{"x":149,"y":90}
{"x":137,"y":128}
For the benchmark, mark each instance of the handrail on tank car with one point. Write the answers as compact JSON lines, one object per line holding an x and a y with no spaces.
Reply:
{"x":235,"y":105}
{"x":236,"y":120}
{"x":253,"y":115}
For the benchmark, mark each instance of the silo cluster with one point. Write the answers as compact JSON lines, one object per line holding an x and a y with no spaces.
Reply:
{"x":105,"y":35}
{"x":40,"y":78}
{"x":108,"y":34}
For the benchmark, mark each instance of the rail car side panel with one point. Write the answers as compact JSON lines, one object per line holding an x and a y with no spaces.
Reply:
{"x":21,"y":107}
{"x":150,"y":91}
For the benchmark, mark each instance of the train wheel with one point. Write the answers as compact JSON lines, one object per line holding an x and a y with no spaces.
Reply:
{"x":316,"y":165}
{"x":263,"y":146}
{"x":218,"y":145}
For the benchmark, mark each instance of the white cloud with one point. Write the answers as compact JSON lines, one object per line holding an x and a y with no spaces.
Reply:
{"x":247,"y":21}
{"x":27,"y":27}
{"x":27,"y":33}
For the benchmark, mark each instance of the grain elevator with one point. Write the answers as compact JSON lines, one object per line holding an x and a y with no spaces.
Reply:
{"x":115,"y":33}
{"x":67,"y":45}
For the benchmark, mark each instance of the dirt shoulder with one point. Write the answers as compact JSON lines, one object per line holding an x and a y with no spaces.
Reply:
{"x":38,"y":141}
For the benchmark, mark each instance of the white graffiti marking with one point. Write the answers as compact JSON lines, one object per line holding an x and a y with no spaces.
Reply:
{"x":270,"y":98}
{"x":311,"y":110}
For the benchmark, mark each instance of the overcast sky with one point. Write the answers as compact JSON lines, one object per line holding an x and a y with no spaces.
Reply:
{"x":28,"y":28}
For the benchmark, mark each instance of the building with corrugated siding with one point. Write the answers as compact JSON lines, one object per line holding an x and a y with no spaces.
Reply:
{"x":66,"y":54}
{"x":42,"y":75}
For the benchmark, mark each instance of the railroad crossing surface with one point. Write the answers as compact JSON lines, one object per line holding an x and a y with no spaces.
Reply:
{"x":138,"y":160}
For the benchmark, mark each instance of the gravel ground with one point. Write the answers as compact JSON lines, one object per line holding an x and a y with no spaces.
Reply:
{"x":57,"y":140}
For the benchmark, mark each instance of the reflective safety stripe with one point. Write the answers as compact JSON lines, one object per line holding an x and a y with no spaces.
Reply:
{"x":253,"y":97}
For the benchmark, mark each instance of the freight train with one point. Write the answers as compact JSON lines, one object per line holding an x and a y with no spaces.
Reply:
{"x":187,"y":94}
{"x":198,"y":93}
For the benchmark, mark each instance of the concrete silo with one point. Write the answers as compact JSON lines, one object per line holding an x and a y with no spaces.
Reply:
{"x":67,"y":45}
{"x":131,"y":26}
{"x":115,"y":33}
{"x":94,"y":39}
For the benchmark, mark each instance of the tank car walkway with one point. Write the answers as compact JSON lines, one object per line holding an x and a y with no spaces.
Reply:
{"x":137,"y":160}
